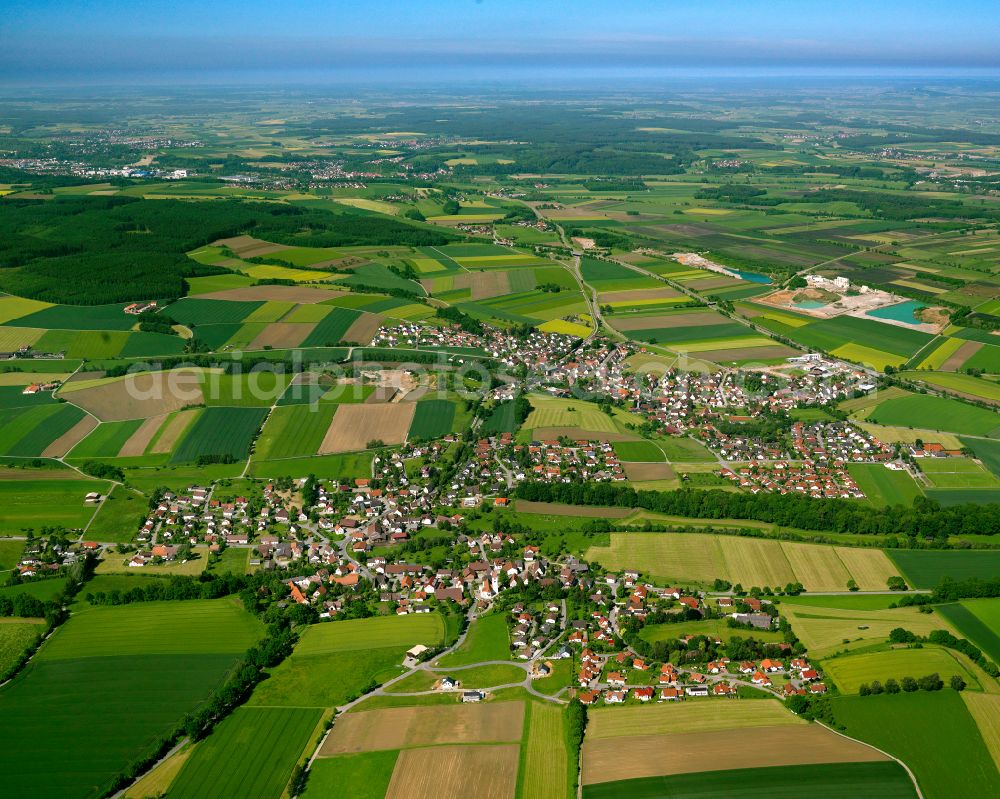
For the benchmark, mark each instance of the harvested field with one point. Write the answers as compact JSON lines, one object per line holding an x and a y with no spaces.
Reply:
{"x":746,"y":353}
{"x":403,"y":727}
{"x":484,"y":285}
{"x":638,"y":472}
{"x":302,"y":294}
{"x":139,"y":440}
{"x":750,"y":561}
{"x":706,"y":283}
{"x":456,"y":772}
{"x":870,"y":568}
{"x":354,"y":426}
{"x":546,"y":433}
{"x":249,"y":247}
{"x":954,"y":362}
{"x":622,"y":722}
{"x":697,"y":319}
{"x":684,"y":753}
{"x":363,"y":329}
{"x":173,"y":430}
{"x":556,"y":509}
{"x":281,"y":335}
{"x":70,"y":438}
{"x":141,"y":396}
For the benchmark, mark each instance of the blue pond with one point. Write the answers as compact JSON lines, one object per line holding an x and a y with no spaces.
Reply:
{"x":753,"y":277}
{"x":901,"y":312}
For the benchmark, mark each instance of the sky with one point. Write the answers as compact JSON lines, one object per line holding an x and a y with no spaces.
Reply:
{"x":48,"y":41}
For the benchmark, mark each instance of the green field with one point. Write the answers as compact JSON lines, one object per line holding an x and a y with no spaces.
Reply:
{"x":850,"y":671}
{"x":716,"y":628}
{"x":979,"y":621}
{"x":106,"y":440}
{"x":432,"y":419}
{"x":251,"y":753}
{"x":932,"y":733}
{"x":823,"y":781}
{"x":16,"y":635}
{"x":925,"y":568}
{"x":884,"y":487}
{"x":119,"y":517}
{"x":294,"y":430}
{"x":220,"y":432}
{"x":38,"y":503}
{"x":361,"y":776}
{"x":638,"y":452}
{"x":333,"y":662}
{"x":108,"y":686}
{"x":487,"y":640}
{"x":936,"y":413}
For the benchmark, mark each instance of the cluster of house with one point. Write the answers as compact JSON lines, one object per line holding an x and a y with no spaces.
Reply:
{"x":821,"y":453}
{"x":538,"y":350}
{"x":137,"y":308}
{"x":35,"y":388}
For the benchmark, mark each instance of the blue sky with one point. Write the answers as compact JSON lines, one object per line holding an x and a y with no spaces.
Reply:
{"x":43,"y":39}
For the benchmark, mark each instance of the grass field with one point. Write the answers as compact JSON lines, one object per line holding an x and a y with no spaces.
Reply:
{"x":220,"y":432}
{"x":638,"y":451}
{"x":554,"y":412}
{"x":333,"y":662}
{"x":932,"y":733}
{"x":880,"y":780}
{"x":961,"y":384}
{"x":925,"y":568}
{"x":251,"y":753}
{"x":824,"y":630}
{"x":108,"y":686}
{"x":979,"y":621}
{"x":119,"y":516}
{"x":487,"y":640}
{"x":544,"y":761}
{"x":884,"y":487}
{"x":16,"y":635}
{"x":958,"y":473}
{"x":294,"y":430}
{"x":850,"y":671}
{"x":432,"y":419}
{"x":937,"y":413}
{"x":362,"y":776}
{"x":623,"y":722}
{"x":451,"y":772}
{"x":716,"y":628}
{"x":749,"y":561}
{"x":37,"y":503}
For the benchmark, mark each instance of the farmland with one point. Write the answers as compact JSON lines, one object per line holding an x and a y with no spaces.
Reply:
{"x":545,"y":765}
{"x":850,"y":671}
{"x":271,"y":739}
{"x":334,"y":661}
{"x":454,"y":771}
{"x":703,"y":558}
{"x":76,"y":705}
{"x":363,"y":776}
{"x":924,"y":569}
{"x":220,"y":433}
{"x":487,"y":639}
{"x":979,"y":621}
{"x":22,"y":500}
{"x":16,"y":635}
{"x":932,"y":733}
{"x":884,"y":487}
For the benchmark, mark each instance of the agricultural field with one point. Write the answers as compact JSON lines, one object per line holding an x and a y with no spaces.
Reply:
{"x":690,"y":557}
{"x":979,"y":621}
{"x":363,"y":776}
{"x":925,"y":569}
{"x":406,"y":727}
{"x":251,"y":753}
{"x":486,"y":771}
{"x":850,"y":671}
{"x":119,"y":516}
{"x":109,"y":685}
{"x":884,"y":487}
{"x":826,"y":630}
{"x":36,"y":503}
{"x":220,"y":433}
{"x":645,"y":732}
{"x":16,"y":635}
{"x":714,"y":628}
{"x":332,"y":662}
{"x":487,"y":639}
{"x":432,"y":419}
{"x":878,"y":780}
{"x":937,"y":413}
{"x":933,"y":733}
{"x":355,"y":427}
